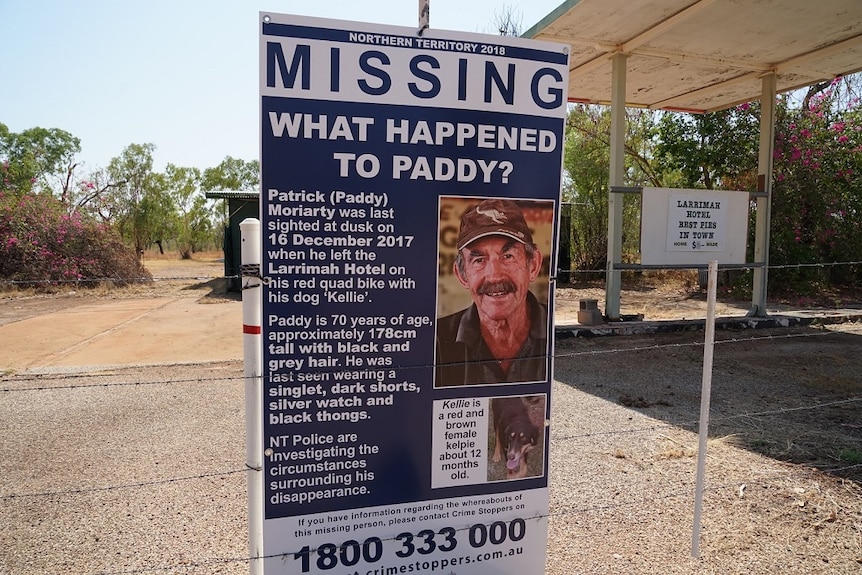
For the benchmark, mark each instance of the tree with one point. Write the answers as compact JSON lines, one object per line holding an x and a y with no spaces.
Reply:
{"x":193,"y":224}
{"x":817,"y":190}
{"x":44,"y":244}
{"x":90,"y":195}
{"x":232,"y":174}
{"x":713,"y":151}
{"x":30,"y":159}
{"x":587,"y":167}
{"x":507,"y":23}
{"x":141,"y":208}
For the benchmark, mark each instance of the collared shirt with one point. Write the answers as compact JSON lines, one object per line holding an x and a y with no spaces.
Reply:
{"x":463,"y":357}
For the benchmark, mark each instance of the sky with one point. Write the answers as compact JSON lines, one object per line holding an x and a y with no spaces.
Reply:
{"x":179,"y":74}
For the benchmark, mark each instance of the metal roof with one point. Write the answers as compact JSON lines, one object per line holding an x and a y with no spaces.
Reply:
{"x":233,"y":194}
{"x":703,"y":55}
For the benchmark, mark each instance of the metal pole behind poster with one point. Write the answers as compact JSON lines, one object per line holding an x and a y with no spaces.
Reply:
{"x":252,"y":307}
{"x":708,"y":347}
{"x":424,"y":15}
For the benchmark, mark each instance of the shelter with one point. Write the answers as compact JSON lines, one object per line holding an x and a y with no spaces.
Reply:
{"x":700,"y":56}
{"x":240,"y":205}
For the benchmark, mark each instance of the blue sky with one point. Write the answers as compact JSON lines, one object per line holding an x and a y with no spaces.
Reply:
{"x":180,"y":74}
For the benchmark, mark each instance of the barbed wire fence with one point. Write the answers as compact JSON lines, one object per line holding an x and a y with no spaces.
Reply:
{"x":15,"y":384}
{"x":571,"y":272}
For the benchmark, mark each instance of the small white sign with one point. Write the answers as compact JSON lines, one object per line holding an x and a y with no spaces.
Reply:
{"x":692,"y":227}
{"x":696,"y":223}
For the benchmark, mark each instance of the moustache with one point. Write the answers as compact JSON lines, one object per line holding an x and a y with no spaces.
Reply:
{"x":500,"y":287}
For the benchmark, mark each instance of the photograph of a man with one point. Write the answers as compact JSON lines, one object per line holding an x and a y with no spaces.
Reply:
{"x":502,"y":337}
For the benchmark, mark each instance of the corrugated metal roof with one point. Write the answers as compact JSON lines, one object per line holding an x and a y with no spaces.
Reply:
{"x":233,"y":194}
{"x":703,"y":55}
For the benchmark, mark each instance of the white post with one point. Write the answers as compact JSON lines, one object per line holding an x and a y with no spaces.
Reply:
{"x":764,"y":204}
{"x":252,"y":309}
{"x":706,"y":387}
{"x":613,"y":278}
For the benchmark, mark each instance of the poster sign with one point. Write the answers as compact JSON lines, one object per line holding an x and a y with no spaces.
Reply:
{"x":410,"y":189}
{"x":692,"y":227}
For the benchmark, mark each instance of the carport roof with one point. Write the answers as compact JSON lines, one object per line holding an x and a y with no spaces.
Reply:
{"x":703,"y":55}
{"x":232,"y":195}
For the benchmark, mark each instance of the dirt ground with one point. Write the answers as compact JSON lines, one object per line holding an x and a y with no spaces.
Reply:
{"x":783,"y":475}
{"x":200,"y":278}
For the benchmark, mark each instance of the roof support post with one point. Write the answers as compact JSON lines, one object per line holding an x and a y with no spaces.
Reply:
{"x":764,"y":203}
{"x":617,"y":178}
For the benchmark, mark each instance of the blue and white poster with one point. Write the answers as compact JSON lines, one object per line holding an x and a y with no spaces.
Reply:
{"x":409,"y":200}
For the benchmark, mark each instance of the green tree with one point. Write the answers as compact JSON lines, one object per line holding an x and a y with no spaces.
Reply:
{"x":36,"y":158}
{"x":587,"y":167}
{"x":232,"y":174}
{"x":139,"y":204}
{"x":194,"y":218}
{"x":712,"y":151}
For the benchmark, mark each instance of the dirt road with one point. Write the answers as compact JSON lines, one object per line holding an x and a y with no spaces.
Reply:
{"x":128,"y":465}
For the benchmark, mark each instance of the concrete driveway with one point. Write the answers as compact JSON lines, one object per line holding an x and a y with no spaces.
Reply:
{"x":111,"y":332}
{"x":79,"y":333}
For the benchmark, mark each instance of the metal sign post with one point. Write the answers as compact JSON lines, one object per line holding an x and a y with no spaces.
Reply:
{"x":252,"y":352}
{"x":709,"y":346}
{"x":424,"y":15}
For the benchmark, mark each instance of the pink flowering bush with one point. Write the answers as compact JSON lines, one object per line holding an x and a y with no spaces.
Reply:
{"x":817,"y":191}
{"x":41,"y":244}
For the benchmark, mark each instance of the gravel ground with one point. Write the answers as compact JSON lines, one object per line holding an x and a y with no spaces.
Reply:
{"x":141,"y":470}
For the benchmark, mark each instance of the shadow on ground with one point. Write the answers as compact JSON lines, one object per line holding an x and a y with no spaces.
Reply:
{"x":217,"y":291}
{"x":794,"y":395}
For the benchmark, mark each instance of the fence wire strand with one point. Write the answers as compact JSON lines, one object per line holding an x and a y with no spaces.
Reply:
{"x":140,"y":280}
{"x":679,"y":489}
{"x":553,"y":437}
{"x":684,"y":490}
{"x":850,"y":328}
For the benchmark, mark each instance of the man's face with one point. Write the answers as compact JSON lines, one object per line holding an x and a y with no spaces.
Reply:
{"x":498,"y":273}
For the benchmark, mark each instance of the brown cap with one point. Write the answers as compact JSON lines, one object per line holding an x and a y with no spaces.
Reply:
{"x":493,"y":218}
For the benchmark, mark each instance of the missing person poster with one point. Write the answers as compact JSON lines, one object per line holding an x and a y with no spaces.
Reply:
{"x":409,"y":200}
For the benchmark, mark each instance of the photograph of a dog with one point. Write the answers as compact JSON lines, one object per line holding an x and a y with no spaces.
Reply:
{"x":516,"y":437}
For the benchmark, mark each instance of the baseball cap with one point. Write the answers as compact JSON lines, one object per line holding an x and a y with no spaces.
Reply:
{"x":493,"y":218}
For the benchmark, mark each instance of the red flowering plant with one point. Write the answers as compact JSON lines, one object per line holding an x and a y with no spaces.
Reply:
{"x":817,"y":190}
{"x":41,"y":245}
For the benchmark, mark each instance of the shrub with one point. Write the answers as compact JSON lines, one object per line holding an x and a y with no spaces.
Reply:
{"x":40,"y":243}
